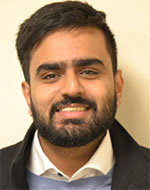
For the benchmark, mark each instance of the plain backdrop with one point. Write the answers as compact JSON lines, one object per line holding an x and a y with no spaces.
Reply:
{"x":128,"y":19}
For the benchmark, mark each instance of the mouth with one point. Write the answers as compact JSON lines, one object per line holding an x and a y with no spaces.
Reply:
{"x":73,"y":111}
{"x":72,"y":108}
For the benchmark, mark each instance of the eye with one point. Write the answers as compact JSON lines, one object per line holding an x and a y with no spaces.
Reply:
{"x":51,"y":76}
{"x":90,"y":74}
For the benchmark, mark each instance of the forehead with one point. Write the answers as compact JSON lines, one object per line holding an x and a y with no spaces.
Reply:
{"x":66,"y":44}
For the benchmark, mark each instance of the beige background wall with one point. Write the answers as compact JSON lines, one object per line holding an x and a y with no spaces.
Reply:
{"x":129,"y":20}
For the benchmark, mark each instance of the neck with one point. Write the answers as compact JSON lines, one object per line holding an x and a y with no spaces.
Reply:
{"x":72,"y":158}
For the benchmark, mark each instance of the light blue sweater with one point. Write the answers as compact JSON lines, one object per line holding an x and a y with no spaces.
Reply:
{"x":92,"y":183}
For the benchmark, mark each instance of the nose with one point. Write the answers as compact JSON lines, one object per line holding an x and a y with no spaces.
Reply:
{"x":71,"y":85}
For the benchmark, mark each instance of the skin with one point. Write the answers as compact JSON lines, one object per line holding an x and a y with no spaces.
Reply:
{"x":93,"y":81}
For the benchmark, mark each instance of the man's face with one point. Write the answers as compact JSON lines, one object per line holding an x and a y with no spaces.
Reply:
{"x":73,"y":93}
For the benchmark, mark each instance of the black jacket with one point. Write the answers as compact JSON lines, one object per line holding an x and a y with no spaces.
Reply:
{"x":131,"y":169}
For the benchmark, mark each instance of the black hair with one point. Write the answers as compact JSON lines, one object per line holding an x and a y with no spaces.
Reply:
{"x":54,"y":16}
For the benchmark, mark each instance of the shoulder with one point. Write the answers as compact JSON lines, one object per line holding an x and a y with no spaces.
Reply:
{"x":145,"y":151}
{"x":7,"y":157}
{"x":8,"y":153}
{"x":13,"y":150}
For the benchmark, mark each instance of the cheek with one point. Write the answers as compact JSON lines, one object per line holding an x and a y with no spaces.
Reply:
{"x":100,"y":92}
{"x":44,"y":96}
{"x":95,"y":91}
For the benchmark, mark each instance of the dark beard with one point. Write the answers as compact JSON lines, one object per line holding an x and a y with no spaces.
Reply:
{"x":76,"y":132}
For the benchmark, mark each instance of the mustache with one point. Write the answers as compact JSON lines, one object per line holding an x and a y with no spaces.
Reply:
{"x":72,"y":100}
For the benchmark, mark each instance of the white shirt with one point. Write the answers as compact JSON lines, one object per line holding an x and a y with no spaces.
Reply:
{"x":99,"y":164}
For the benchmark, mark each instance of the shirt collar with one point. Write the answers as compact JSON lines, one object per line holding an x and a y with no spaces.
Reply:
{"x":100,"y":163}
{"x":103,"y":158}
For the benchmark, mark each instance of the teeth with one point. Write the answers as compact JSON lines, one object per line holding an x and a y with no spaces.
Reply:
{"x":72,"y":109}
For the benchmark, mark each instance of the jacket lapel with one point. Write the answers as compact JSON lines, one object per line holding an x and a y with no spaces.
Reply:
{"x":131,"y":170}
{"x":18,"y":168}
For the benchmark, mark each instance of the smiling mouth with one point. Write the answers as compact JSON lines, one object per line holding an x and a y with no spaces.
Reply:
{"x":70,"y":109}
{"x":73,"y":109}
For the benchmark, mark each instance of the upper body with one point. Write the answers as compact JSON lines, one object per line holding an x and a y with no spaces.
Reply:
{"x":72,"y":88}
{"x":131,"y":169}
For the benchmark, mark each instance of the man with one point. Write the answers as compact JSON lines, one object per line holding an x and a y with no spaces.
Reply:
{"x":72,"y":87}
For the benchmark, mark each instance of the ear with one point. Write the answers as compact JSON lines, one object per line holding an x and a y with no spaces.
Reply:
{"x":26,"y":92}
{"x":119,"y":86}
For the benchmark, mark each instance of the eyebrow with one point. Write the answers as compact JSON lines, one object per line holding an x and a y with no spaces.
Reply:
{"x":88,"y":62}
{"x":62,"y":65}
{"x":48,"y":66}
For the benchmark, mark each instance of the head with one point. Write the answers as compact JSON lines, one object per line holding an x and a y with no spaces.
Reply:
{"x":55,"y":16}
{"x":72,"y":87}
